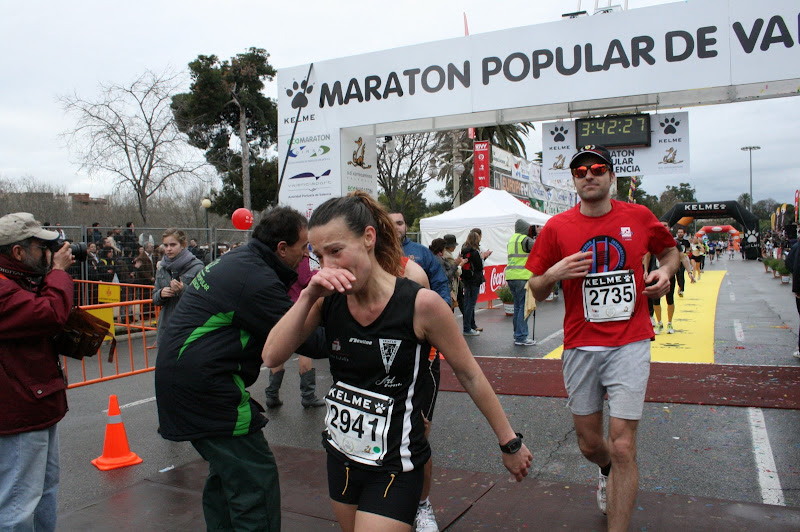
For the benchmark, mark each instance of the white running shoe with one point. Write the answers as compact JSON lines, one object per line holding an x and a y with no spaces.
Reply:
{"x":670,"y":330}
{"x":658,"y":328}
{"x":471,"y":332}
{"x":796,"y":354}
{"x":653,"y":321}
{"x":550,"y":297}
{"x":425,"y":521}
{"x":601,"y":492}
{"x":527,"y":341}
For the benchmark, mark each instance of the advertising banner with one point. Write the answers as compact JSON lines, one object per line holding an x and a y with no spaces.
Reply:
{"x":558,"y":147}
{"x":360,"y":168}
{"x":481,"y":165}
{"x":495,"y":277}
{"x":796,"y":204}
{"x":312,"y":172}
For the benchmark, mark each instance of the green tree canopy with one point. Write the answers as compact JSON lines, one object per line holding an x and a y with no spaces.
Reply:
{"x":225,"y":101}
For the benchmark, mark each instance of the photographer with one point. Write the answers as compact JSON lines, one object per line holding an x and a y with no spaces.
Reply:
{"x":35,"y":302}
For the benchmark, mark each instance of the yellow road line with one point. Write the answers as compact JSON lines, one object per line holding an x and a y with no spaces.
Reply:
{"x":695,"y":313}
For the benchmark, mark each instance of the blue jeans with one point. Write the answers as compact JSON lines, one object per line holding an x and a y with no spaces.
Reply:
{"x":470,"y":300}
{"x":517,"y":287}
{"x":29,"y":480}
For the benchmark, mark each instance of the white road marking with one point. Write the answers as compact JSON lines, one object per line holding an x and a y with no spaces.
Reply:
{"x":733,"y":296}
{"x":555,"y":334}
{"x":135,"y":403}
{"x":737,"y":328}
{"x":771,"y":491}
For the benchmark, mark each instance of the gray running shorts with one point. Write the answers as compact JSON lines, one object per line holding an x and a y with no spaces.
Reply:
{"x":622,"y":372}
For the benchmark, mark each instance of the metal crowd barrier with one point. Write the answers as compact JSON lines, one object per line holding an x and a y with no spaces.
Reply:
{"x":134,"y":318}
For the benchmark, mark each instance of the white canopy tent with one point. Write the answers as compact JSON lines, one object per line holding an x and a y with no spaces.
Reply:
{"x":494,"y":211}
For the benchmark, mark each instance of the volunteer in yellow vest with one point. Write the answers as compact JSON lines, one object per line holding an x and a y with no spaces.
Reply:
{"x":519,"y":246}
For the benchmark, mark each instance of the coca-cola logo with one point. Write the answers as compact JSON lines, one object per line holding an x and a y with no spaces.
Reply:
{"x":497,"y":279}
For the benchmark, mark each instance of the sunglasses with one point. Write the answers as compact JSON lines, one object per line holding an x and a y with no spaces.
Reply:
{"x":597,"y":170}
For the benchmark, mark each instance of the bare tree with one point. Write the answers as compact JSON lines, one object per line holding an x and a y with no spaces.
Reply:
{"x":128,"y":135}
{"x":403,"y":171}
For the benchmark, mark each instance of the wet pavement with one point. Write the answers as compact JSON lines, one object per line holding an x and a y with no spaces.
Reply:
{"x":688,"y":454}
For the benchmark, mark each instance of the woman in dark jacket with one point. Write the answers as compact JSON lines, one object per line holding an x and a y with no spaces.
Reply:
{"x":472,"y":279}
{"x":107,"y":267}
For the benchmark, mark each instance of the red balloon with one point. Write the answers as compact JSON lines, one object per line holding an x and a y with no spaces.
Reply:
{"x":242,"y":219}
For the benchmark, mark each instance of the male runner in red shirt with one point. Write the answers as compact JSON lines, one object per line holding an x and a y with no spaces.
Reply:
{"x":595,"y":249}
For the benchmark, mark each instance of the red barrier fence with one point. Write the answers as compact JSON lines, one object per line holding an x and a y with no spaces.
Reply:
{"x":134,"y":317}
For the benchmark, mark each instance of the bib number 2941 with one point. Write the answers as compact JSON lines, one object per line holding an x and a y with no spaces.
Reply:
{"x":609,"y":296}
{"x":358,"y":422}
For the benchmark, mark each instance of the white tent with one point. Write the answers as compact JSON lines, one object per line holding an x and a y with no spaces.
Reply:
{"x":494,"y":211}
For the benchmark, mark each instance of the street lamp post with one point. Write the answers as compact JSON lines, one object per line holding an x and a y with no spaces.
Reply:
{"x":206,"y":203}
{"x":750,"y":149}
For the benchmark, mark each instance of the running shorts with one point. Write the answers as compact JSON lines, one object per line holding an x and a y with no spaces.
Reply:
{"x":622,"y":372}
{"x":392,"y":495}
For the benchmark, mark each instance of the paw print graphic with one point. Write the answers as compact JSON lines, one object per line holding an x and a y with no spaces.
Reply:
{"x":558,"y":134}
{"x":299,"y":101}
{"x":751,"y":236}
{"x":670,"y":125}
{"x":380,"y":408}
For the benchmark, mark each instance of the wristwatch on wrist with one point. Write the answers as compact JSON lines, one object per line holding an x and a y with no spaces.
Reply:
{"x":513,"y":445}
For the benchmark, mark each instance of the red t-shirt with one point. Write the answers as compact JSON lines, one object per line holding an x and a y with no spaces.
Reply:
{"x":619,"y":239}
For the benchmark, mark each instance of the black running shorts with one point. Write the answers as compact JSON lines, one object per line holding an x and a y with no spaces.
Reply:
{"x":390,"y":494}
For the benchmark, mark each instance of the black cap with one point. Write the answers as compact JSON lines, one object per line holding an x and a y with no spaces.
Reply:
{"x":593,"y":149}
{"x":450,"y":240}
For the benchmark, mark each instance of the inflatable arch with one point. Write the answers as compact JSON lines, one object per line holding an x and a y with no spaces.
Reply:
{"x":684,"y":213}
{"x":716,"y":229}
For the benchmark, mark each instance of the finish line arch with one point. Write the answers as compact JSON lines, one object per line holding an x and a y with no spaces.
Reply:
{"x":721,"y":209}
{"x":655,"y":58}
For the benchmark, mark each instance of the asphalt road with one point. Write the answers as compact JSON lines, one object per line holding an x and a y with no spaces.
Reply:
{"x":692,"y":450}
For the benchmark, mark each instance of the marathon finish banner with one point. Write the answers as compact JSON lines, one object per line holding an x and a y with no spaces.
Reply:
{"x":721,"y":209}
{"x":480,"y":150}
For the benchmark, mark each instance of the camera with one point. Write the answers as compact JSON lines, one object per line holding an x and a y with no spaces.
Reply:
{"x":78,"y":249}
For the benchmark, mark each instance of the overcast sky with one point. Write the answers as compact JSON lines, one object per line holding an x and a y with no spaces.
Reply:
{"x":57,"y":48}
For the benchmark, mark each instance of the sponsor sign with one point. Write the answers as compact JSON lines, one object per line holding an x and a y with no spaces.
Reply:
{"x":495,"y":277}
{"x":359,"y":163}
{"x":501,"y":159}
{"x":481,"y":167}
{"x":313,"y":174}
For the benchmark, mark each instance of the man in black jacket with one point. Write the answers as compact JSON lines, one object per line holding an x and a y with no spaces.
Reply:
{"x":210,"y":354}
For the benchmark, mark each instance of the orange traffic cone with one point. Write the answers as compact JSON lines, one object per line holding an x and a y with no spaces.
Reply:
{"x":116,"y":452}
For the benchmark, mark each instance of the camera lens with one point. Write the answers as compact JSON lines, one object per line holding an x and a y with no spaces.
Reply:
{"x":79,"y":251}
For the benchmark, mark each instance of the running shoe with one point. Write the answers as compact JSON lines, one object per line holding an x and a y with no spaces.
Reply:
{"x":680,"y":294}
{"x":527,"y":341}
{"x":796,"y":354}
{"x":601,"y":492}
{"x":471,"y":332}
{"x":653,"y":321}
{"x":658,"y":328}
{"x":550,"y":297}
{"x":425,"y":521}
{"x":670,"y":330}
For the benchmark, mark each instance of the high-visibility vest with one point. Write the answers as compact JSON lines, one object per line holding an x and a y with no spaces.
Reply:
{"x":515,"y":270}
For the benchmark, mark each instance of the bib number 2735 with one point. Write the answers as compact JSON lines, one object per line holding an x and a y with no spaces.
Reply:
{"x":609,"y":296}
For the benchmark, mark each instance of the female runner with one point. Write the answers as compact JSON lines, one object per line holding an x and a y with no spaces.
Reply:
{"x":379,"y":329}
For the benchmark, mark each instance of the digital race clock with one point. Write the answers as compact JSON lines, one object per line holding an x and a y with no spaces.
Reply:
{"x":613,"y":131}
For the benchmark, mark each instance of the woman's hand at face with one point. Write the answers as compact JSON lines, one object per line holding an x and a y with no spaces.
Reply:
{"x":330,"y":280}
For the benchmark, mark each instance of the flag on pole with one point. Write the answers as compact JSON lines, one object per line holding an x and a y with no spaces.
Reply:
{"x":466,"y":26}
